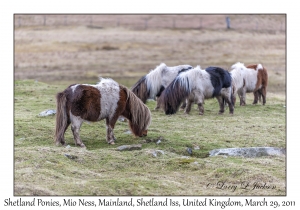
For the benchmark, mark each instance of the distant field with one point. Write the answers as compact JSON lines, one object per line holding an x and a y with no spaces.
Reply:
{"x":58,"y":53}
{"x":78,"y":49}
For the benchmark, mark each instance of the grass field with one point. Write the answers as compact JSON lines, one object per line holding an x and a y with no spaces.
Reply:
{"x":48,"y":59}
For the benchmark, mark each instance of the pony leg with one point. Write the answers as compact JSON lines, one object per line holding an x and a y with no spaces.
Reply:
{"x":62,"y":141}
{"x":256,"y":96}
{"x":75,"y":127}
{"x":221,"y":104}
{"x":110,"y":124}
{"x":157,"y":104}
{"x":242,"y":95}
{"x":188,"y":106}
{"x":183,"y":106}
{"x":264,"y":94}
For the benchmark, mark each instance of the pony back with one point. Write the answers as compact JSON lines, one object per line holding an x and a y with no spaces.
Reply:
{"x":220,"y":78}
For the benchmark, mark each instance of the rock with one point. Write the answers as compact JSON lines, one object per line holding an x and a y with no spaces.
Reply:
{"x":129,"y":147}
{"x":122,"y":119}
{"x":68,"y":146}
{"x":128,"y":132}
{"x":47,"y":112}
{"x":158,"y":142}
{"x":156,"y":153}
{"x":71,"y":156}
{"x":189,"y":150}
{"x":249,"y":152}
{"x":196,"y":147}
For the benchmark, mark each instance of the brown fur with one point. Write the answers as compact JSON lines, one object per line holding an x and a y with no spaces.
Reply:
{"x":262,"y":80}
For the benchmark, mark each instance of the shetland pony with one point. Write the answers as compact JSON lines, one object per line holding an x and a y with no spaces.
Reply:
{"x":261,"y":83}
{"x":253,"y":78}
{"x":197,"y":85}
{"x":152,"y":84}
{"x":105,"y":100}
{"x":238,"y":80}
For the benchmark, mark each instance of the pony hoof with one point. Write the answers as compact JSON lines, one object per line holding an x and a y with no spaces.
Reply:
{"x":112,"y":142}
{"x":81,"y":145}
{"x":200,"y":113}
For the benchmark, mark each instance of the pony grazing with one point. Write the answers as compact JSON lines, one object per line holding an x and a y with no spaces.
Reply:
{"x":105,"y":100}
{"x":152,"y":84}
{"x":197,"y":85}
{"x":253,"y":78}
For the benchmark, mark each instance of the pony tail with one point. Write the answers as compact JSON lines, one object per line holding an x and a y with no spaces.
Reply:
{"x":171,"y":98}
{"x":61,"y":117}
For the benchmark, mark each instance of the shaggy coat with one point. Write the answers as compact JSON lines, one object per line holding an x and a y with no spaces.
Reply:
{"x":196,"y":85}
{"x":261,"y":83}
{"x":105,"y":100}
{"x":151,"y":85}
{"x":253,"y":78}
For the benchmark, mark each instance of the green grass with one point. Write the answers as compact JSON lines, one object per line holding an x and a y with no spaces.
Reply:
{"x":41,"y":168}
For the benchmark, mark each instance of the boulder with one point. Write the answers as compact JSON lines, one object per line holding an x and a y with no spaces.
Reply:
{"x":129,"y":147}
{"x":249,"y":152}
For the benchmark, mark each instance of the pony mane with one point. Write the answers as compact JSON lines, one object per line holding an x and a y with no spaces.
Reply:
{"x":178,"y":90}
{"x":139,"y":112}
{"x":154,"y":80}
{"x":140,"y":89}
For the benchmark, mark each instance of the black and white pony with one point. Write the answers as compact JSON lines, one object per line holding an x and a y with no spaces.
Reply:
{"x":197,"y":85}
{"x":106,"y":100}
{"x":151,"y":85}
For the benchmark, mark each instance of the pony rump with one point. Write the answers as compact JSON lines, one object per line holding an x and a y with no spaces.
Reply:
{"x":138,"y":114}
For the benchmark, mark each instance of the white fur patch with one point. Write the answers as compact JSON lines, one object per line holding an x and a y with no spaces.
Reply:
{"x":110,"y":95}
{"x":259,"y":67}
{"x":74,"y":87}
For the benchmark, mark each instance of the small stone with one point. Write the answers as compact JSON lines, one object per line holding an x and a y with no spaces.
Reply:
{"x":128,"y":132}
{"x":154,"y":154}
{"x":189,"y":150}
{"x":129,"y":147}
{"x":71,"y":156}
{"x":47,"y":112}
{"x":196,"y":147}
{"x":122,"y":119}
{"x":160,"y":152}
{"x":158,"y":142}
{"x":68,"y":146}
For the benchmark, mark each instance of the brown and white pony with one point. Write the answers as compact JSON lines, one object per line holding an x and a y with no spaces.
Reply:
{"x":261,"y":83}
{"x":105,"y":100}
{"x":253,"y":78}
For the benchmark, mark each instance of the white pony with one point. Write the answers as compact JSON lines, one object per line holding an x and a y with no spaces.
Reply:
{"x":151,"y":85}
